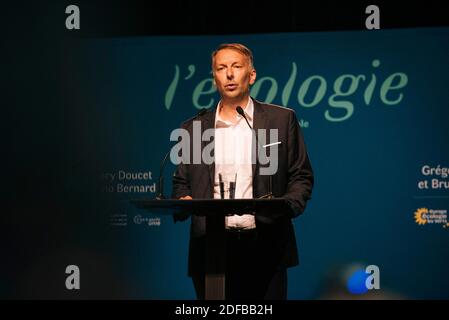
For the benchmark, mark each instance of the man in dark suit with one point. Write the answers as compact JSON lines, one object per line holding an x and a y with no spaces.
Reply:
{"x":259,"y":247}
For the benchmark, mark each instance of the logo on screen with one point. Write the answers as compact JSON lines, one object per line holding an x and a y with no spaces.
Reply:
{"x":362,"y":280}
{"x":427,"y":216}
{"x":138,"y":219}
{"x":420,"y":217}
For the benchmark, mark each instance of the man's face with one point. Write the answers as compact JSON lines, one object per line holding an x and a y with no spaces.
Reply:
{"x":233,"y":74}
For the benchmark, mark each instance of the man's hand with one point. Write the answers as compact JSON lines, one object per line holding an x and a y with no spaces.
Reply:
{"x":182,"y":215}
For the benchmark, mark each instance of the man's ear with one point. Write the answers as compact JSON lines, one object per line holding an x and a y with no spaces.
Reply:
{"x":252,"y":77}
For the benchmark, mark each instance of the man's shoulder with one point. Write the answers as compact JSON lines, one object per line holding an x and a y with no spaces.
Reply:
{"x":201,"y":115}
{"x":275,"y":110}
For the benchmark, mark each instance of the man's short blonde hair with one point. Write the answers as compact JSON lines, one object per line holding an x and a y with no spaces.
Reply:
{"x":234,"y":46}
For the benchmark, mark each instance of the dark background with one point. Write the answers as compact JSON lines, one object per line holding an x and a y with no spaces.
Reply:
{"x":130,"y":18}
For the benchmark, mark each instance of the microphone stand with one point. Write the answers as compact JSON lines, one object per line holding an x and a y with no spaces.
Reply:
{"x":160,"y":186}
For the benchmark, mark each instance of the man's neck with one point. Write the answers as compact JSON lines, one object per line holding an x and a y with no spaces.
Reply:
{"x":227,"y":107}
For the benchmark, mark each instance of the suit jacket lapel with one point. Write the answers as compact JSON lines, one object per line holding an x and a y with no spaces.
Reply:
{"x":209,"y":123}
{"x":259,"y":122}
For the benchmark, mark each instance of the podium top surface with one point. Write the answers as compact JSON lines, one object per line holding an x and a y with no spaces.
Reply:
{"x":171,"y":206}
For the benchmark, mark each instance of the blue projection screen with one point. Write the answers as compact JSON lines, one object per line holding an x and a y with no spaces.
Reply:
{"x":374,"y":110}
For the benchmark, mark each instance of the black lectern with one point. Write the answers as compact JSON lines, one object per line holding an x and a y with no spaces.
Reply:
{"x":215,"y":211}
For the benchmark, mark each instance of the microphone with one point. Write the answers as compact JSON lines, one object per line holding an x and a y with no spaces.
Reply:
{"x":160,"y":185}
{"x":240,"y":111}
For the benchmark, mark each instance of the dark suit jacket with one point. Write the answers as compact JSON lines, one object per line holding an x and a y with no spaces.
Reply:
{"x":292,"y":181}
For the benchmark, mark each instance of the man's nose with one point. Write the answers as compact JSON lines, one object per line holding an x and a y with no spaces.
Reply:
{"x":230,"y":73}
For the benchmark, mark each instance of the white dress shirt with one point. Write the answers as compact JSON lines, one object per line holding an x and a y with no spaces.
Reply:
{"x":233,"y":142}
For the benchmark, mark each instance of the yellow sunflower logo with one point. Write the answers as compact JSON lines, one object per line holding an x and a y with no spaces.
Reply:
{"x":419,"y":216}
